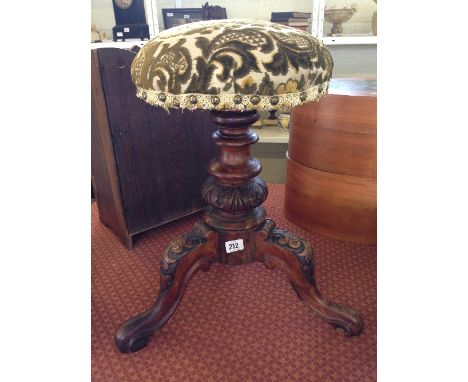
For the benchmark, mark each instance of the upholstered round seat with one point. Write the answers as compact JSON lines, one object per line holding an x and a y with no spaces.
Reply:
{"x":232,"y":64}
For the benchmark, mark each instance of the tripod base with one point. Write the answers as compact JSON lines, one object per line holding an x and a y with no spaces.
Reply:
{"x":203,"y":246}
{"x":235,"y":231}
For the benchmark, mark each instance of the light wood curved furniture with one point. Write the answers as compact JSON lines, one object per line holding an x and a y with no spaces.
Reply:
{"x":331,"y":181}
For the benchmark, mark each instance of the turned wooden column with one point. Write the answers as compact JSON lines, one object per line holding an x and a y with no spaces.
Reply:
{"x":234,"y":192}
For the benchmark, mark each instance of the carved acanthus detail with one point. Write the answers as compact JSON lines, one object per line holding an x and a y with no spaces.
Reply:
{"x":234,"y":198}
{"x":299,"y":247}
{"x":180,"y":247}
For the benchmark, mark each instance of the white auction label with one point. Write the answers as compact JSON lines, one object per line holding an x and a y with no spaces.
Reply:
{"x":234,"y":245}
{"x":126,"y":30}
{"x":186,"y":16}
{"x":119,"y":34}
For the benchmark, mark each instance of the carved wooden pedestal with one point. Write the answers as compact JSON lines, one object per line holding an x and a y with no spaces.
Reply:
{"x":234,"y":194}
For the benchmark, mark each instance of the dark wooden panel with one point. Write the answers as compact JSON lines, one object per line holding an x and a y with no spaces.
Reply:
{"x":157,"y":161}
{"x":161,"y":158}
{"x":103,"y":169}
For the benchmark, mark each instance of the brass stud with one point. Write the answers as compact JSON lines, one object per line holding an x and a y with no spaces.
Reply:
{"x":193,"y":100}
{"x":143,"y":95}
{"x":303,"y":96}
{"x":237,"y":99}
{"x":215,"y":100}
{"x":274,"y":100}
{"x":255,"y":100}
{"x":162,"y":97}
{"x":320,"y":88}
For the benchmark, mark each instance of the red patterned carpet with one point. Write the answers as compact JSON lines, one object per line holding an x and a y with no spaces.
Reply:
{"x":234,"y":323}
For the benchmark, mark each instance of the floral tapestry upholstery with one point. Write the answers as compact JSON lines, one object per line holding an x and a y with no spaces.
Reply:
{"x":232,"y":64}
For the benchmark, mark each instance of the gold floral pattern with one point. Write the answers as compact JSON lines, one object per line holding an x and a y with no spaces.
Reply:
{"x":232,"y":64}
{"x":291,"y":86}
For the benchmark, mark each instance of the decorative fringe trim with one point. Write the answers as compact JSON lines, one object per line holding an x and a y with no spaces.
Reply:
{"x":239,"y":102}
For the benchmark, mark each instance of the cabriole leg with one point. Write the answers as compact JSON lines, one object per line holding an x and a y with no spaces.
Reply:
{"x":292,"y":255}
{"x":185,"y":256}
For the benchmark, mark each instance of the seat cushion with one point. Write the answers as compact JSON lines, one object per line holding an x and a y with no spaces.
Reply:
{"x":232,"y":64}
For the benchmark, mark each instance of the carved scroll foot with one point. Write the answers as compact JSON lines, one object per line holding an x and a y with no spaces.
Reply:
{"x":283,"y":250}
{"x":185,"y":256}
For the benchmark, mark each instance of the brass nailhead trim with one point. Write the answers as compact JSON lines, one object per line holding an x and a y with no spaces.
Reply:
{"x":255,"y":100}
{"x":237,"y":99}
